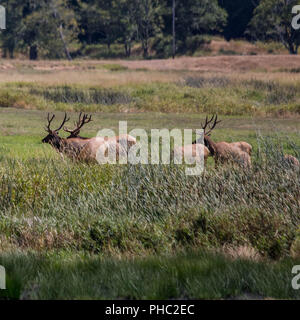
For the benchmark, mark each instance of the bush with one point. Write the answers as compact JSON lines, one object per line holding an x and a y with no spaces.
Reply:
{"x":162,"y":45}
{"x":192,"y":44}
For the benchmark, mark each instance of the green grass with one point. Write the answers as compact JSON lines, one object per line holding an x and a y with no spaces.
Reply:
{"x":194,"y":275}
{"x":113,"y":67}
{"x":21,"y":131}
{"x":48,"y":204}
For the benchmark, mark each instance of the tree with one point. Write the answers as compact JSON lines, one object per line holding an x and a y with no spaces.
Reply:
{"x":173,"y":29}
{"x":148,"y":20}
{"x":196,"y":18}
{"x":126,"y":12}
{"x":90,"y":27}
{"x":44,"y":21}
{"x":99,"y":21}
{"x":272,"y":21}
{"x":60,"y":25}
{"x":9,"y":37}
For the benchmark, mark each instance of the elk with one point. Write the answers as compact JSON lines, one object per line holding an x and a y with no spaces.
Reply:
{"x":70,"y":148}
{"x":74,"y":134}
{"x":90,"y":150}
{"x":90,"y":146}
{"x":224,"y":152}
{"x":118,"y":145}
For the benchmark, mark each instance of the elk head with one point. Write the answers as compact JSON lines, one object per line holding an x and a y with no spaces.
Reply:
{"x":53,"y":138}
{"x":78,"y":125}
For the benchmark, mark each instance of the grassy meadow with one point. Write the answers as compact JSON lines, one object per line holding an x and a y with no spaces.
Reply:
{"x":72,"y":231}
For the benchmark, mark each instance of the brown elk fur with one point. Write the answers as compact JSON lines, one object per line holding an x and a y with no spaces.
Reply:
{"x":114,"y":144}
{"x":189,"y":151}
{"x":90,"y":146}
{"x":224,"y":152}
{"x":242,"y":145}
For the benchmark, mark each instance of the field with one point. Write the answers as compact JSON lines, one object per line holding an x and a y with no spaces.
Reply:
{"x":73,"y":231}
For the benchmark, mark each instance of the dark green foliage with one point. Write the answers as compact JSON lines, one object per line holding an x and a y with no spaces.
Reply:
{"x":39,"y":27}
{"x":240,"y":13}
{"x":272,"y":20}
{"x":48,"y":28}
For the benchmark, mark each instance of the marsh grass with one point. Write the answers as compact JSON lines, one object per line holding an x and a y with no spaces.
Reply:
{"x":200,"y":82}
{"x":113,"y":67}
{"x":268,"y":92}
{"x":70,"y":95}
{"x":141,"y":210}
{"x":68,"y":230}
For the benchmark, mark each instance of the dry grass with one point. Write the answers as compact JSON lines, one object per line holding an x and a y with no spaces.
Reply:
{"x":92,"y":72}
{"x":219,"y":63}
{"x":241,"y":252}
{"x":101,"y":78}
{"x":218,"y":45}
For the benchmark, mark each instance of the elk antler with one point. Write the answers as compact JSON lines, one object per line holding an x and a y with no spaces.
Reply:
{"x":79,"y":124}
{"x":48,"y":129}
{"x":215,"y":121}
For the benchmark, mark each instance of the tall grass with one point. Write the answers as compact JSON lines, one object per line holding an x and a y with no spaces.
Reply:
{"x":67,"y":94}
{"x":150,"y":209}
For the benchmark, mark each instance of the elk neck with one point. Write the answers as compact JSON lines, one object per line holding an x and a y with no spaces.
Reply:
{"x":210,"y":145}
{"x":59,"y":143}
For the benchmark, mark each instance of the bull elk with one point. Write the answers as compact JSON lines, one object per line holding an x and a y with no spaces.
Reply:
{"x":90,"y":146}
{"x":81,"y":148}
{"x":70,"y":148}
{"x":74,"y":134}
{"x":224,"y":152}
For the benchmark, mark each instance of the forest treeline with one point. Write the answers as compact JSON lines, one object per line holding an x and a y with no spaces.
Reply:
{"x":65,"y":28}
